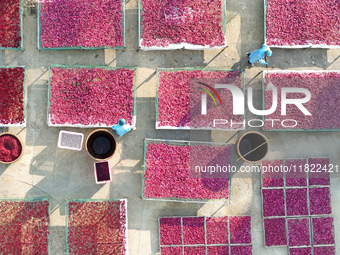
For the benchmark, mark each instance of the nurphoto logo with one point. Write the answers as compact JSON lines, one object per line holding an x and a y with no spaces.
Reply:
{"x":286,"y":98}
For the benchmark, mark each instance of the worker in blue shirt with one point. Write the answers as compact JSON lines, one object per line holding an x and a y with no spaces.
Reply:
{"x":121,"y":128}
{"x":259,"y":54}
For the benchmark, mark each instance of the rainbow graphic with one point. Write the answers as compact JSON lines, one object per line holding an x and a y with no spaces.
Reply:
{"x":209,"y":93}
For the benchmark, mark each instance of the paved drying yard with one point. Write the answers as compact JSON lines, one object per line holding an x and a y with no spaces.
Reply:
{"x":46,"y":170}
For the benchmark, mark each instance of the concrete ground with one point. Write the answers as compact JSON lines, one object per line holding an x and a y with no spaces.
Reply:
{"x":46,"y":170}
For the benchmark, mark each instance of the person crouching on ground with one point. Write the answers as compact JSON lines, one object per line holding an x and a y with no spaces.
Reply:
{"x":121,"y":128}
{"x":259,"y":54}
